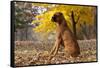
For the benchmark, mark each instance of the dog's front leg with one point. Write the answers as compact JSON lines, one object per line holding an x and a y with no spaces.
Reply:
{"x":55,"y":48}
{"x":58,"y":42}
{"x":52,"y":51}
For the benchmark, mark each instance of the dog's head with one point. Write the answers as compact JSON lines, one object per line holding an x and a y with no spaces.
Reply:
{"x":57,"y":17}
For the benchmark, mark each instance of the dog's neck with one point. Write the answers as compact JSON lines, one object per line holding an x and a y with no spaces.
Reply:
{"x":62,"y":22}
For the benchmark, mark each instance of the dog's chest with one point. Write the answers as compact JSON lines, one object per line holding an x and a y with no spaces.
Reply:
{"x":60,"y":29}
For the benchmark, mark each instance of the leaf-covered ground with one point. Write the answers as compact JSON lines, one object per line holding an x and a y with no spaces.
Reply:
{"x":37,"y":53}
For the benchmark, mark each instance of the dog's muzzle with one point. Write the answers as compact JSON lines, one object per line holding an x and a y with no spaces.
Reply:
{"x":53,"y":19}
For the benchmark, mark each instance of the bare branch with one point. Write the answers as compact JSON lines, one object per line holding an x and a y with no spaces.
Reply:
{"x":77,"y":19}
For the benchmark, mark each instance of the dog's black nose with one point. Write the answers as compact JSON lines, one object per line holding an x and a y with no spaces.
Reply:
{"x":52,"y":19}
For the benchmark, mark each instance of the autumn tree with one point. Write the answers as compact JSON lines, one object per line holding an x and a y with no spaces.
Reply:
{"x":74,"y":15}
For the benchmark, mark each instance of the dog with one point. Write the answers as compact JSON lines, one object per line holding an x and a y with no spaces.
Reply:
{"x":64,"y":36}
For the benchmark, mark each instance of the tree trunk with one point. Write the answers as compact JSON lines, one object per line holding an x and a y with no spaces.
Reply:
{"x":73,"y":23}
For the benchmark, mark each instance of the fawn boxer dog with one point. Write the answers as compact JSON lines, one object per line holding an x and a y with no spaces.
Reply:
{"x":65,"y":37}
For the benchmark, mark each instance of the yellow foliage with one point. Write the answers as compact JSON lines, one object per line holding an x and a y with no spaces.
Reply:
{"x":84,"y":13}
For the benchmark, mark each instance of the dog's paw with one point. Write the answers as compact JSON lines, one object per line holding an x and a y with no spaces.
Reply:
{"x":50,"y":57}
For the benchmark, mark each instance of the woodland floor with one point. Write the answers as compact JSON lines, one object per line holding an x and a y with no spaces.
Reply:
{"x":36,"y":54}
